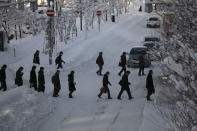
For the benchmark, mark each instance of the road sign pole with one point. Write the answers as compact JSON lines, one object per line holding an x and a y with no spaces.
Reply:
{"x":99,"y":13}
{"x":99,"y":23}
{"x":50,"y":14}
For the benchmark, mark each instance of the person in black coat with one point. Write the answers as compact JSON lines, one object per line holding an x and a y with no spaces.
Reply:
{"x":141,"y":65}
{"x":71,"y":83}
{"x":123,"y":62}
{"x":105,"y":85}
{"x":56,"y":83}
{"x":125,"y":85}
{"x":100,"y":63}
{"x":41,"y":80}
{"x":59,"y":61}
{"x":19,"y":75}
{"x":33,"y":78}
{"x":149,"y":85}
{"x":36,"y":59}
{"x":3,"y":78}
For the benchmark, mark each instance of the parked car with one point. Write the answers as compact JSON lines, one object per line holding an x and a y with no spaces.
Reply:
{"x":151,"y":39}
{"x":151,"y":44}
{"x":153,"y":22}
{"x":133,"y":60}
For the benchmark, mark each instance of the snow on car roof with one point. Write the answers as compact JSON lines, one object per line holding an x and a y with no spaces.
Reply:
{"x":139,"y":47}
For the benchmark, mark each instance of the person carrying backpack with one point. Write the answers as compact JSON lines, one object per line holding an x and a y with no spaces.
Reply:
{"x":59,"y":61}
{"x":123,"y":62}
{"x":124,"y":83}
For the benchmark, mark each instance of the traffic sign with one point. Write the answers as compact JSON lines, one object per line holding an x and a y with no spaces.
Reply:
{"x":98,"y":13}
{"x":50,"y":12}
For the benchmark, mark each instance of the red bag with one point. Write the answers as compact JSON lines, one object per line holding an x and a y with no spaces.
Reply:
{"x":103,"y":90}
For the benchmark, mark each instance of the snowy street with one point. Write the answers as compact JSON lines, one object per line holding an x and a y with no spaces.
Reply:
{"x":22,"y":109}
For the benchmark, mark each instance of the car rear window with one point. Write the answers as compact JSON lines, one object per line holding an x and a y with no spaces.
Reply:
{"x":152,"y":39}
{"x":153,"y":19}
{"x":138,"y":51}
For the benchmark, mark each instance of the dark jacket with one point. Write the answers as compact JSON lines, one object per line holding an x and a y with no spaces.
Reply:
{"x":57,"y":83}
{"x":41,"y":79}
{"x":71,"y":82}
{"x":2,"y":75}
{"x":99,"y":60}
{"x":125,"y":82}
{"x":33,"y":78}
{"x":149,"y":83}
{"x":123,"y":60}
{"x":105,"y":81}
{"x":36,"y":59}
{"x":19,"y":79}
{"x":59,"y":60}
{"x":141,"y":61}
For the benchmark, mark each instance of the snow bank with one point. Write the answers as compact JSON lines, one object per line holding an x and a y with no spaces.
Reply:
{"x":23,"y":109}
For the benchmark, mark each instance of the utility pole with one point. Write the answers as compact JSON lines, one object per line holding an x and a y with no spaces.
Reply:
{"x":81,"y":15}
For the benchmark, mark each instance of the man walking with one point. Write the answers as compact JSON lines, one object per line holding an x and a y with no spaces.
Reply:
{"x":125,"y":85}
{"x":59,"y":61}
{"x":3,"y":78}
{"x":71,"y":83}
{"x":105,"y":85}
{"x":36,"y":59}
{"x":56,"y":83}
{"x":19,"y":75}
{"x":100,"y":63}
{"x":123,"y":62}
{"x":149,"y":85}
{"x":41,"y":80}
{"x":33,"y":78}
{"x":141,"y":65}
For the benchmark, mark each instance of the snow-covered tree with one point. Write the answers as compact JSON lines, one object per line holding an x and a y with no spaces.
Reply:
{"x":179,"y":59}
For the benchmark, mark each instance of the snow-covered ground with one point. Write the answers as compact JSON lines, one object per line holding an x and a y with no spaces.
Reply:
{"x":23,"y":109}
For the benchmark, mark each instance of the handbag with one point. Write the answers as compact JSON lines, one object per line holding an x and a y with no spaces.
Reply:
{"x":103,"y":90}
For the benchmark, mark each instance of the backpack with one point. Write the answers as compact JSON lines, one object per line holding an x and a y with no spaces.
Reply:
{"x":53,"y":79}
{"x":57,"y":60}
{"x":120,"y":82}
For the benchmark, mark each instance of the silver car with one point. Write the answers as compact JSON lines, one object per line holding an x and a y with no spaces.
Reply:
{"x":153,"y":22}
{"x":133,"y":60}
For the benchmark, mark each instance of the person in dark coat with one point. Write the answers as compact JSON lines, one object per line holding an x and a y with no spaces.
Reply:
{"x":41,"y":80}
{"x":123,"y":62}
{"x":36,"y":59}
{"x":3,"y":78}
{"x":149,"y":85}
{"x":100,"y":63}
{"x":141,"y":65}
{"x":33,"y":78}
{"x":56,"y":83}
{"x":59,"y":60}
{"x":105,"y":85}
{"x":19,"y":75}
{"x":125,"y":85}
{"x":71,"y":83}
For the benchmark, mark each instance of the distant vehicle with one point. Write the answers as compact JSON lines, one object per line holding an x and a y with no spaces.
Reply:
{"x":153,"y":22}
{"x":151,"y":39}
{"x":133,"y":60}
